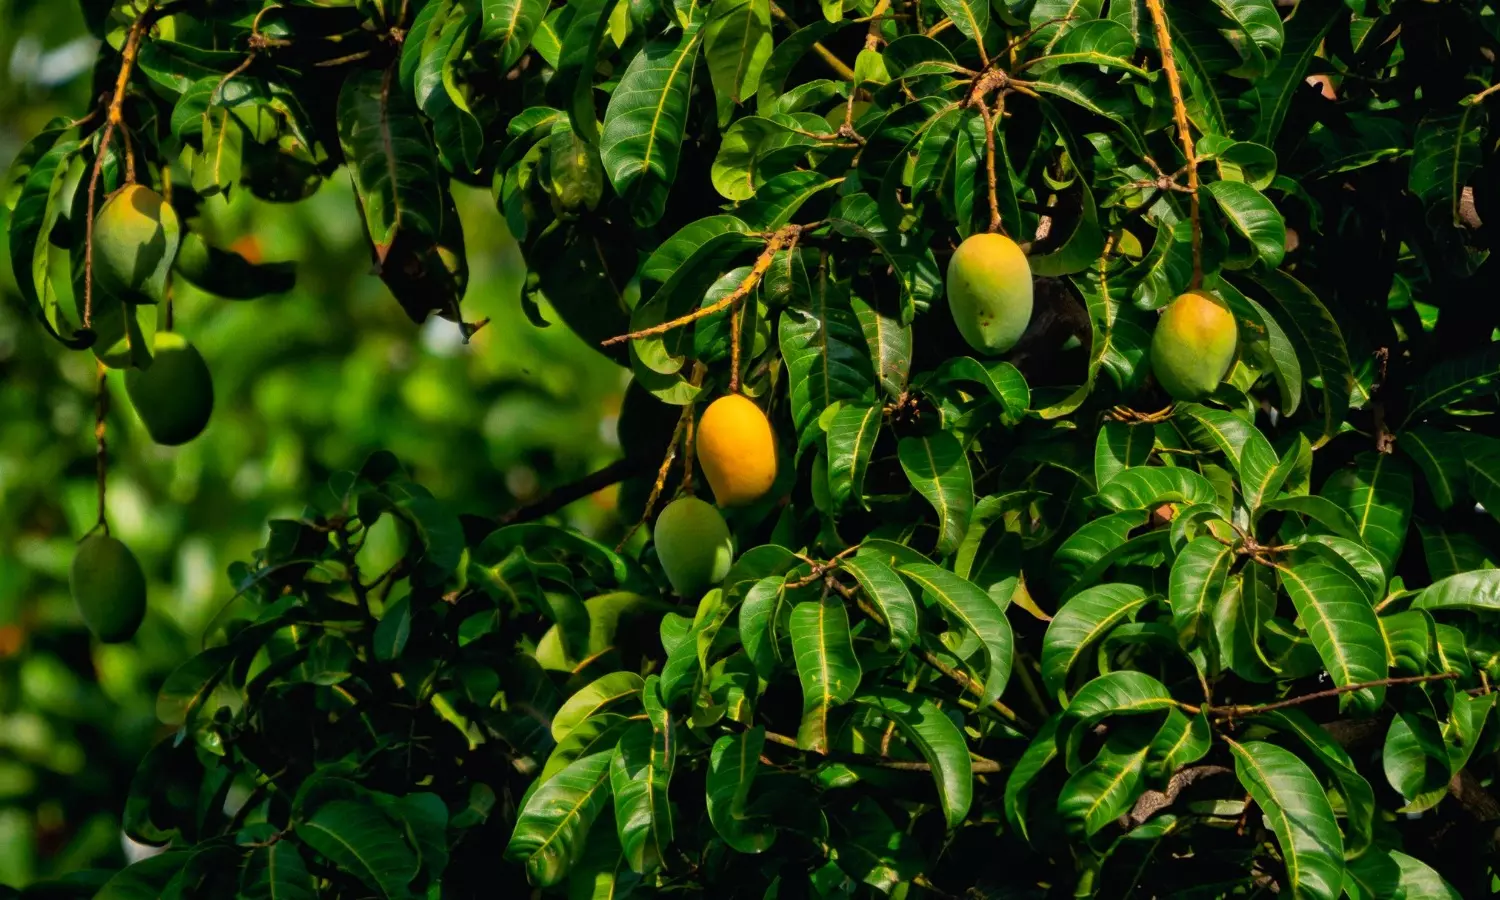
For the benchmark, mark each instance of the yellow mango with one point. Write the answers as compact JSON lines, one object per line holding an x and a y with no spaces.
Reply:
{"x":990,"y":292}
{"x":693,"y":545}
{"x":1193,"y":345}
{"x":737,"y":450}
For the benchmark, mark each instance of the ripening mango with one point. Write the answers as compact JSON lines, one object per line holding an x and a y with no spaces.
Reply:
{"x":135,"y":240}
{"x":1193,"y":345}
{"x":989,"y":292}
{"x":107,"y":584}
{"x":737,"y":450}
{"x":693,"y":545}
{"x":174,"y":395}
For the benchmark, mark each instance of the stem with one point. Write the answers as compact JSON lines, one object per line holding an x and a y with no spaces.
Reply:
{"x":783,"y":239}
{"x":1184,"y":134}
{"x":989,"y":166}
{"x":837,"y":65}
{"x":1236,"y":711}
{"x":561,"y":496}
{"x":661,"y":476}
{"x":101,"y":448}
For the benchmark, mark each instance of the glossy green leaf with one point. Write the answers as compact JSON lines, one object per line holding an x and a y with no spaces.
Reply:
{"x":941,"y":744}
{"x":826,"y":665}
{"x":733,"y":765}
{"x":645,"y":122}
{"x":1319,"y":344}
{"x":1197,"y":583}
{"x":737,"y":44}
{"x":889,"y":594}
{"x":851,"y":441}
{"x":971,"y":607}
{"x":1254,"y":216}
{"x":825,"y":354}
{"x":1358,"y":796}
{"x":554,"y":823}
{"x":1120,"y":447}
{"x":1337,"y":615}
{"x":938,"y":468}
{"x":614,"y":689}
{"x":640,"y":774}
{"x":363,"y":842}
{"x":1146,"y":487}
{"x":1377,"y":493}
{"x":1079,"y":624}
{"x":1289,"y":796}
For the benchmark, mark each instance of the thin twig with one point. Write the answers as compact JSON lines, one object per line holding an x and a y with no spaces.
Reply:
{"x":989,"y":166}
{"x":101,"y":448}
{"x":1253,"y":710}
{"x":1184,"y":133}
{"x":562,"y":495}
{"x":661,"y":476}
{"x":837,"y":65}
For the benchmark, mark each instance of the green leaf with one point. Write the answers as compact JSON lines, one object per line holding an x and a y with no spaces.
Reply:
{"x":851,"y":441}
{"x":191,"y":686}
{"x":363,"y":842}
{"x":1101,"y":42}
{"x":890,"y":346}
{"x":1446,"y":152}
{"x":391,"y":159}
{"x":1107,"y":786}
{"x":1036,"y":757}
{"x":1259,"y":327}
{"x":439,"y":38}
{"x":603,"y":694}
{"x":1454,"y":380}
{"x":972,"y":19}
{"x":1120,"y":447}
{"x":738,"y":43}
{"x":825,"y":354}
{"x":938,"y":468}
{"x":889,"y":594}
{"x":1322,"y":510}
{"x":1079,"y":624}
{"x":571,"y":87}
{"x":277,"y":872}
{"x":553,"y":823}
{"x":1081,"y":555}
{"x":977,"y":612}
{"x":826,"y":665}
{"x":915,"y":269}
{"x":507,"y":26}
{"x":1337,"y":615}
{"x":1449,"y":553}
{"x":1359,"y":797}
{"x":732,"y":768}
{"x":920,"y":721}
{"x":1415,"y":759}
{"x":1304,"y":33}
{"x":35,"y":212}
{"x":640,"y":774}
{"x":1003,"y":381}
{"x":1197,"y":583}
{"x":1290,"y":797}
{"x":1377,"y":492}
{"x":1440,"y":456}
{"x":1419,"y":880}
{"x":1254,"y":216}
{"x":1126,"y":692}
{"x":1146,"y":487}
{"x":1477,"y":591}
{"x":1247,"y":450}
{"x":645,"y":122}
{"x":1319,"y":343}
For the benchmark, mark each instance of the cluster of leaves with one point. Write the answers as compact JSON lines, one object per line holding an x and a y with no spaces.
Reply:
{"x":993,"y":610}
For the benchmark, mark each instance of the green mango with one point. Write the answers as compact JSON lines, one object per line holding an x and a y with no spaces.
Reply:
{"x":693,"y":545}
{"x":1193,"y":345}
{"x":107,"y":584}
{"x":174,"y":395}
{"x":990,"y":292}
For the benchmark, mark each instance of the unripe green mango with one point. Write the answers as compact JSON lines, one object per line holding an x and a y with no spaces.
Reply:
{"x":1193,"y":345}
{"x":693,"y":545}
{"x":107,"y":584}
{"x":135,"y":241}
{"x":989,"y":292}
{"x":174,"y":395}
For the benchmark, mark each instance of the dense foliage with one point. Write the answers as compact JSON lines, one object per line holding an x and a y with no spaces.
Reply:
{"x":1014,"y":626}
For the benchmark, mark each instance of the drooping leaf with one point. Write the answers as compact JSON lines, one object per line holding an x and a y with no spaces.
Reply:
{"x":977,"y":612}
{"x":733,"y":765}
{"x":1294,"y":804}
{"x":890,"y":596}
{"x":826,"y":664}
{"x":1337,"y":615}
{"x":363,"y":842}
{"x":1082,"y":622}
{"x":645,"y":121}
{"x":640,"y":774}
{"x":600,"y":695}
{"x":553,"y":824}
{"x":939,"y":469}
{"x":939,"y":741}
{"x":1377,"y":493}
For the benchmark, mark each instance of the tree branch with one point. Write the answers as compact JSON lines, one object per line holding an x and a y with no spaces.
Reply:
{"x":1184,"y":132}
{"x":1246,"y":710}
{"x":561,"y":496}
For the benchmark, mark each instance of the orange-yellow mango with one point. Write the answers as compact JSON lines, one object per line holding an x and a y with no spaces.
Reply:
{"x":737,"y":450}
{"x":1193,"y":345}
{"x":135,"y":242}
{"x":990,"y":292}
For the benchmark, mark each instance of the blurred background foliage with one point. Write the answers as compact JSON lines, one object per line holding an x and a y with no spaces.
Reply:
{"x":306,"y":383}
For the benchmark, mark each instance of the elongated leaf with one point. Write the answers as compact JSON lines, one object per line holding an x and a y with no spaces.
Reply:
{"x":1080,"y":623}
{"x":395,"y":171}
{"x":277,"y":872}
{"x":1445,"y":154}
{"x":36,"y":208}
{"x":1377,"y":493}
{"x":1107,"y":786}
{"x":1293,"y":802}
{"x":616,"y":688}
{"x":1419,"y":880}
{"x":1478,"y":591}
{"x":890,"y":346}
{"x":1197,"y":583}
{"x":978,"y":613}
{"x":571,"y":87}
{"x":1319,"y":343}
{"x":825,"y":354}
{"x":1449,"y":553}
{"x":738,"y":43}
{"x":1101,"y":42}
{"x":851,"y":441}
{"x":826,"y":665}
{"x":889,"y":594}
{"x":939,"y":469}
{"x":1119,"y":447}
{"x":645,"y":120}
{"x":1337,"y":615}
{"x":639,"y":776}
{"x":732,"y":768}
{"x":972,"y":19}
{"x":1003,"y":381}
{"x":1036,"y":757}
{"x":363,"y":842}
{"x":1146,"y":487}
{"x":1085,"y":548}
{"x":1304,"y":33}
{"x":928,"y":728}
{"x":1254,"y":216}
{"x":554,"y":822}
{"x":1440,"y":456}
{"x":507,"y":26}
{"x":1359,"y":797}
{"x":1122,"y":693}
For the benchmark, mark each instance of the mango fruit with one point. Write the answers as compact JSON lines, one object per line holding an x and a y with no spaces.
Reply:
{"x":693,"y":545}
{"x":135,"y":241}
{"x":1193,"y":345}
{"x":107,"y":584}
{"x":737,"y":450}
{"x":990,"y":292}
{"x":174,"y":395}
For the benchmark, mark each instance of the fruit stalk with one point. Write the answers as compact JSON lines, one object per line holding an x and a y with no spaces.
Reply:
{"x":101,"y":448}
{"x":1184,"y":134}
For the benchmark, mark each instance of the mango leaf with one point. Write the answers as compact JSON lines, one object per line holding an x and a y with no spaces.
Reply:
{"x":826,"y":665}
{"x":1254,"y":216}
{"x":938,"y":468}
{"x":553,"y":824}
{"x":1359,"y":797}
{"x":605,"y":693}
{"x":1079,"y":624}
{"x":277,"y":872}
{"x":391,"y":159}
{"x":1377,"y":493}
{"x":1122,"y":693}
{"x":571,"y":87}
{"x":645,"y":120}
{"x":1197,"y":583}
{"x":1446,"y":152}
{"x":1440,"y":456}
{"x":1450,"y":553}
{"x":975,"y":610}
{"x":972,"y":19}
{"x":1107,"y":786}
{"x":889,"y":594}
{"x":890,"y":346}
{"x":928,"y":728}
{"x":1034,"y":759}
{"x":364,"y":842}
{"x":1477,"y":591}
{"x":1083,"y":550}
{"x":738,"y":43}
{"x":1119,"y":447}
{"x":825,"y":354}
{"x":732,"y":768}
{"x":1319,"y":343}
{"x":1337,"y":615}
{"x":1415,"y":759}
{"x":639,"y":776}
{"x":1101,"y":42}
{"x":1304,"y":33}
{"x":858,"y":215}
{"x":1419,"y":880}
{"x":39,"y":175}
{"x":1146,"y":487}
{"x":506,"y":26}
{"x":1003,"y":381}
{"x":851,"y":441}
{"x":1290,"y":797}
{"x":1259,"y":326}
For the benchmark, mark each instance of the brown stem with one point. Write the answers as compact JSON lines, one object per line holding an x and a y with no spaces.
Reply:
{"x":101,"y":448}
{"x":736,"y":316}
{"x":977,"y":763}
{"x":1239,"y":711}
{"x":88,"y":227}
{"x":561,"y":496}
{"x":690,"y":434}
{"x":1184,"y":134}
{"x":989,"y":166}
{"x":844,"y":72}
{"x":784,"y":239}
{"x":661,"y":476}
